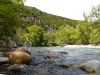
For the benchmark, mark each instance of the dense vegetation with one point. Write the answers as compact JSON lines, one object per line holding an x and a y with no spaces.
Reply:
{"x":22,"y":24}
{"x":9,"y":21}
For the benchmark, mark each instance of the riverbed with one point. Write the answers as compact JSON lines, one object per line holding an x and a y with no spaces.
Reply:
{"x":70,"y":55}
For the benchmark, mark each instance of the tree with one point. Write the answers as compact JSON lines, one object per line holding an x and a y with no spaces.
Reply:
{"x":66,"y":35}
{"x":95,"y":37}
{"x":94,"y":18}
{"x":49,"y":38}
{"x":94,"y":14}
{"x":9,"y":20}
{"x":84,"y":30}
{"x":32,"y":33}
{"x":18,"y":1}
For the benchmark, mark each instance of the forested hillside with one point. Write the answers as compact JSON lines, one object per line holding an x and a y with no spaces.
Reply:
{"x":58,"y":30}
{"x":28,"y":25}
{"x":34,"y":16}
{"x":48,"y":22}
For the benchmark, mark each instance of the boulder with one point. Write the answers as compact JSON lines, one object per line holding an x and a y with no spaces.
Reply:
{"x":91,"y":67}
{"x":20,"y":56}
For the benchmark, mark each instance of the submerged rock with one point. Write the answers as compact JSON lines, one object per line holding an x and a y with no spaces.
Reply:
{"x":63,"y":52}
{"x":53,"y":56}
{"x":92,"y":67}
{"x":64,"y":65}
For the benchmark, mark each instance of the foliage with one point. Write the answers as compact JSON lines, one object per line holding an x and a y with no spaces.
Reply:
{"x":95,"y":37}
{"x":84,"y":31}
{"x":33,"y":33}
{"x":9,"y":21}
{"x":94,"y":18}
{"x":61,"y":31}
{"x":44,"y":29}
{"x":66,"y":35}
{"x":48,"y":21}
{"x":94,"y":14}
{"x":49,"y":39}
{"x":18,"y":1}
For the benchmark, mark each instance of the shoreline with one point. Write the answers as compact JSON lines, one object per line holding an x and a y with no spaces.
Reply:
{"x":71,"y":46}
{"x":81,"y":46}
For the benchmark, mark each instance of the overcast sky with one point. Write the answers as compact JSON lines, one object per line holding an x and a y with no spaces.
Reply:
{"x":67,"y":8}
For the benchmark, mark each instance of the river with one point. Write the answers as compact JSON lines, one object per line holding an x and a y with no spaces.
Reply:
{"x":72,"y":55}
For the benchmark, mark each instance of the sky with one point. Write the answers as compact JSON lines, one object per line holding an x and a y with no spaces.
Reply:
{"x":72,"y":9}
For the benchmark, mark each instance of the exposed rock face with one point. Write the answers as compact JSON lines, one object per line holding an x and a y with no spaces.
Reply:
{"x":92,"y":66}
{"x":20,"y":56}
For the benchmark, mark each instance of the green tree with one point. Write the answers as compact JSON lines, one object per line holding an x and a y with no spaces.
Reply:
{"x":32,"y":33}
{"x":94,"y":14}
{"x":18,"y":1}
{"x":95,"y":37}
{"x":66,"y":35}
{"x":94,"y":18}
{"x":9,"y":20}
{"x":84,"y":30}
{"x":49,"y":38}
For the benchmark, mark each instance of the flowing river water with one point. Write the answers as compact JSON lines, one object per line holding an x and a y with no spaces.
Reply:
{"x":72,"y":56}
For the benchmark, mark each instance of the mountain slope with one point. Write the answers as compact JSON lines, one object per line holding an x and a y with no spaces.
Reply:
{"x":33,"y":15}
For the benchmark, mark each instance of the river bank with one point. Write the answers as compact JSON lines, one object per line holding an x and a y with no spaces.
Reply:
{"x":82,"y":46}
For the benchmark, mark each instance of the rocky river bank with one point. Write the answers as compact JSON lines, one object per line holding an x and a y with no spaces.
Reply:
{"x":57,"y":61}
